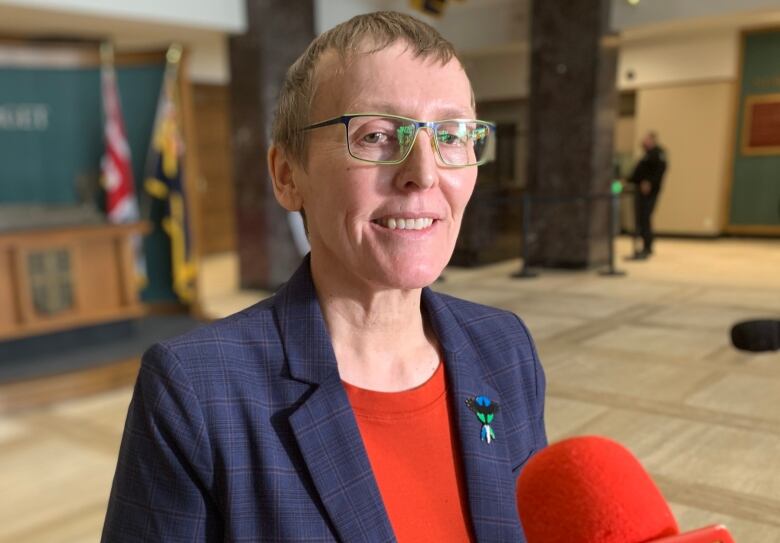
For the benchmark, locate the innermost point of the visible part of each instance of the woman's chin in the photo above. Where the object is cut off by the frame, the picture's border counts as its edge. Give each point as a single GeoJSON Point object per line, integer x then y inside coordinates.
{"type": "Point", "coordinates": [412, 278]}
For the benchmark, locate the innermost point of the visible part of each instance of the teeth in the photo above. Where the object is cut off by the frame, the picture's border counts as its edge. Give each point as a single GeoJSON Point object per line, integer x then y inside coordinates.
{"type": "Point", "coordinates": [394, 223]}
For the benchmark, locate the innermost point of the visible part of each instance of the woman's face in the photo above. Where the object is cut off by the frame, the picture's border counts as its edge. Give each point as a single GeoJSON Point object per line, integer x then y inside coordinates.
{"type": "Point", "coordinates": [349, 204]}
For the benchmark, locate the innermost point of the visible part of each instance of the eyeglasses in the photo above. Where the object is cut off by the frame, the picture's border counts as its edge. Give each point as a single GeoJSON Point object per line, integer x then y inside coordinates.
{"type": "Point", "coordinates": [388, 139]}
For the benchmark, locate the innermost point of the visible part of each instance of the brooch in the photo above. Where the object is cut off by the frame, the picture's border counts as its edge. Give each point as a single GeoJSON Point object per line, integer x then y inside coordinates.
{"type": "Point", "coordinates": [485, 410]}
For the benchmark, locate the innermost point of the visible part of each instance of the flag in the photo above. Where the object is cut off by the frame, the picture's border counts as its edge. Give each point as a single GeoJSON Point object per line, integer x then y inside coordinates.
{"type": "Point", "coordinates": [165, 179]}
{"type": "Point", "coordinates": [116, 170]}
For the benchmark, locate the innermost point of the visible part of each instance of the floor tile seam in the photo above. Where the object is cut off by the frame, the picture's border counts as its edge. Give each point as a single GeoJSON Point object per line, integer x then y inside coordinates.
{"type": "Point", "coordinates": [600, 324]}
{"type": "Point", "coordinates": [674, 410]}
{"type": "Point", "coordinates": [690, 292]}
{"type": "Point", "coordinates": [670, 298]}
{"type": "Point", "coordinates": [595, 297]}
{"type": "Point", "coordinates": [741, 306]}
{"type": "Point", "coordinates": [706, 285]}
{"type": "Point", "coordinates": [88, 435]}
{"type": "Point", "coordinates": [581, 333]}
{"type": "Point", "coordinates": [720, 500]}
{"type": "Point", "coordinates": [39, 394]}
{"type": "Point", "coordinates": [680, 362]}
{"type": "Point", "coordinates": [21, 402]}
{"type": "Point", "coordinates": [724, 330]}
{"type": "Point", "coordinates": [713, 288]}
{"type": "Point", "coordinates": [593, 327]}
{"type": "Point", "coordinates": [702, 384]}
{"type": "Point", "coordinates": [578, 430]}
{"type": "Point", "coordinates": [467, 292]}
{"type": "Point", "coordinates": [42, 531]}
{"type": "Point", "coordinates": [652, 280]}
{"type": "Point", "coordinates": [485, 289]}
{"type": "Point", "coordinates": [729, 354]}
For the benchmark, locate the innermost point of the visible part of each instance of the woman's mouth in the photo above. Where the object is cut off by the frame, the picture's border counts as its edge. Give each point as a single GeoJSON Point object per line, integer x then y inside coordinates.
{"type": "Point", "coordinates": [405, 223]}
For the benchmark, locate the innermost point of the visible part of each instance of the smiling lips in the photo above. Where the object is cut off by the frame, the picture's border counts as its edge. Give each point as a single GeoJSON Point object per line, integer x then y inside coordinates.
{"type": "Point", "coordinates": [398, 223]}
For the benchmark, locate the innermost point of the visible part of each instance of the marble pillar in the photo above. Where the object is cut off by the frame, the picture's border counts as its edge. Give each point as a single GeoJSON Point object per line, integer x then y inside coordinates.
{"type": "Point", "coordinates": [572, 108]}
{"type": "Point", "coordinates": [278, 32]}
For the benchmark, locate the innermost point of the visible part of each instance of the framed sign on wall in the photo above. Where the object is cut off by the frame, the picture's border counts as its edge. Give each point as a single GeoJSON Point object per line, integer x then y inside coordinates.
{"type": "Point", "coordinates": [761, 125]}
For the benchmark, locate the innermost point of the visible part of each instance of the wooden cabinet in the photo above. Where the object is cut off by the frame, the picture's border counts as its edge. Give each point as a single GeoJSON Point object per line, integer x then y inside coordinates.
{"type": "Point", "coordinates": [59, 278]}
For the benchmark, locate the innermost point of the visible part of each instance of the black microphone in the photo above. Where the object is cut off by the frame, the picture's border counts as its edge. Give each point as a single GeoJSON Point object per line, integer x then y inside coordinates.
{"type": "Point", "coordinates": [756, 336]}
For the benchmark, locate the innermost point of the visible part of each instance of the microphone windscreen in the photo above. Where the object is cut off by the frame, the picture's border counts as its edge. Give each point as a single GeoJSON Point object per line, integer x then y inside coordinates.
{"type": "Point", "coordinates": [756, 335]}
{"type": "Point", "coordinates": [590, 489]}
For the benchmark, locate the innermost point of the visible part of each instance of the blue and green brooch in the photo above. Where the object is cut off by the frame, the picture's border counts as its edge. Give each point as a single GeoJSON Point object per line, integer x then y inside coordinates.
{"type": "Point", "coordinates": [485, 410]}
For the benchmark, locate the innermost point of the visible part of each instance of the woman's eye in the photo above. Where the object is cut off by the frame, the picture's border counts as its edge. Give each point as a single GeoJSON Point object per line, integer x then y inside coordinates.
{"type": "Point", "coordinates": [375, 137]}
{"type": "Point", "coordinates": [449, 139]}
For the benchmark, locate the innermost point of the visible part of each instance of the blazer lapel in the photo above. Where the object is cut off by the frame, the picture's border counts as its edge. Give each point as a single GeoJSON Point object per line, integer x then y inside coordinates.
{"type": "Point", "coordinates": [323, 424]}
{"type": "Point", "coordinates": [487, 467]}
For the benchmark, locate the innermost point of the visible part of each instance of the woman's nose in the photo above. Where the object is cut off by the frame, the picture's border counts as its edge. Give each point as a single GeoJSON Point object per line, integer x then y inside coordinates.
{"type": "Point", "coordinates": [420, 169]}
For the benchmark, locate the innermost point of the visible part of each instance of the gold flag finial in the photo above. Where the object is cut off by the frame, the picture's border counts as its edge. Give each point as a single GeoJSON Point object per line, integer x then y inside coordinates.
{"type": "Point", "coordinates": [174, 53]}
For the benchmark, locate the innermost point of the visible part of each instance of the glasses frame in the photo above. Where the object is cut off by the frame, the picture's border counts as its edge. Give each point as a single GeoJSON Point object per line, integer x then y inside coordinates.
{"type": "Point", "coordinates": [418, 125]}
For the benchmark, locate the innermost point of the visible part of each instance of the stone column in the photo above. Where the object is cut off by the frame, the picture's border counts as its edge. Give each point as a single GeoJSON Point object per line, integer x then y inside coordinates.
{"type": "Point", "coordinates": [572, 113]}
{"type": "Point", "coordinates": [278, 32]}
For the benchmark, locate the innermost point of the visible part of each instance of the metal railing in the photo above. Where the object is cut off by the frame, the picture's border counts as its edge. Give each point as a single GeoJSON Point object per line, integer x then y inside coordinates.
{"type": "Point", "coordinates": [529, 200]}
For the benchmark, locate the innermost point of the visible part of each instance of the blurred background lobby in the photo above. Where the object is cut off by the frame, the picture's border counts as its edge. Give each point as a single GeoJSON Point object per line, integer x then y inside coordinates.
{"type": "Point", "coordinates": [94, 93]}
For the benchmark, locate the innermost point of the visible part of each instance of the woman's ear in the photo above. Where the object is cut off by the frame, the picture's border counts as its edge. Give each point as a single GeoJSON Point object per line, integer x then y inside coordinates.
{"type": "Point", "coordinates": [286, 190]}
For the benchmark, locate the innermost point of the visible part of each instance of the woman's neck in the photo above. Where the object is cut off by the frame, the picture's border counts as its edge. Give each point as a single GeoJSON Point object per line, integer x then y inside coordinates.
{"type": "Point", "coordinates": [380, 337]}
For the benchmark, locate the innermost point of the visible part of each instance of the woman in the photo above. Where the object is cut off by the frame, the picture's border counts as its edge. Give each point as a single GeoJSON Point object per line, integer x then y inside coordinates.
{"type": "Point", "coordinates": [355, 404]}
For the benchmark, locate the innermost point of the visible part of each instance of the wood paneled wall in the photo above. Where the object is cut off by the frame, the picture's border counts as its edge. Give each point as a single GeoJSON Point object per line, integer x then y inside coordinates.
{"type": "Point", "coordinates": [215, 187]}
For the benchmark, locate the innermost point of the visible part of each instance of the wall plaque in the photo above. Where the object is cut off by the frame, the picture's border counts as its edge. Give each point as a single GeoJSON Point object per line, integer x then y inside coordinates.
{"type": "Point", "coordinates": [50, 281]}
{"type": "Point", "coordinates": [761, 125]}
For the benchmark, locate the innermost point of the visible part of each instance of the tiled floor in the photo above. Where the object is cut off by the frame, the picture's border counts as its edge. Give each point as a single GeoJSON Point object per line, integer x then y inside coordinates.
{"type": "Point", "coordinates": [644, 359]}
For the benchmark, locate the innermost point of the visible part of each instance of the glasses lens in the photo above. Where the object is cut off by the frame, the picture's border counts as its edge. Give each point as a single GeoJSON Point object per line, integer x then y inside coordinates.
{"type": "Point", "coordinates": [465, 143]}
{"type": "Point", "coordinates": [379, 139]}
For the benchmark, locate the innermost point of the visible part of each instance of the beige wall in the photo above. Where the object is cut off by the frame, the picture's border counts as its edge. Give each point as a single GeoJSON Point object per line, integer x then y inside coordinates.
{"type": "Point", "coordinates": [696, 57]}
{"type": "Point", "coordinates": [624, 138]}
{"type": "Point", "coordinates": [694, 123]}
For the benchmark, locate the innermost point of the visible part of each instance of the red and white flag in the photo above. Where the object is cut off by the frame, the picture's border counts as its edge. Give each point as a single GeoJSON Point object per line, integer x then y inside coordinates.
{"type": "Point", "coordinates": [116, 164]}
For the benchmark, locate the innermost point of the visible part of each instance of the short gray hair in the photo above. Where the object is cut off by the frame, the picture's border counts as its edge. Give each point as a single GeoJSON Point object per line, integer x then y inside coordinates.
{"type": "Point", "coordinates": [366, 33]}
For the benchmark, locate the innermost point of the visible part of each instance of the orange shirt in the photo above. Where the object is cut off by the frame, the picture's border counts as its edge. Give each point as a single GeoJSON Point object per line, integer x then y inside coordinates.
{"type": "Point", "coordinates": [413, 451]}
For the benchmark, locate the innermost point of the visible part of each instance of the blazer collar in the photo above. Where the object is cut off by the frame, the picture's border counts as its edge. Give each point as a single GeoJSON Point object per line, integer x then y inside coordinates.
{"type": "Point", "coordinates": [306, 341]}
{"type": "Point", "coordinates": [487, 467]}
{"type": "Point", "coordinates": [329, 438]}
{"type": "Point", "coordinates": [323, 423]}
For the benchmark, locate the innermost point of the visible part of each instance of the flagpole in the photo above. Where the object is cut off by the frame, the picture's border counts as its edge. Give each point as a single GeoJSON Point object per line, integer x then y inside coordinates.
{"type": "Point", "coordinates": [106, 53]}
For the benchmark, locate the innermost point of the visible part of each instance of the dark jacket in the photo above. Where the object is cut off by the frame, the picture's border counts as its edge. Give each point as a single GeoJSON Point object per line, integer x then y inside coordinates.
{"type": "Point", "coordinates": [651, 168]}
{"type": "Point", "coordinates": [242, 430]}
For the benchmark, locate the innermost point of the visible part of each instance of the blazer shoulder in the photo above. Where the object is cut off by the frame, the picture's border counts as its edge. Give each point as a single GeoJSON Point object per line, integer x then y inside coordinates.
{"type": "Point", "coordinates": [468, 312]}
{"type": "Point", "coordinates": [489, 326]}
{"type": "Point", "coordinates": [243, 325]}
{"type": "Point", "coordinates": [230, 347]}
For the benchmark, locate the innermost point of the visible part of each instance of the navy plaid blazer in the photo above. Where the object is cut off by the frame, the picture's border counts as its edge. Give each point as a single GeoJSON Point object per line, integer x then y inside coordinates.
{"type": "Point", "coordinates": [242, 431]}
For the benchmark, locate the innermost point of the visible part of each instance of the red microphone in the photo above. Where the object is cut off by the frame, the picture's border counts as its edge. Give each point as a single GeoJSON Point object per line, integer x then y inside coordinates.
{"type": "Point", "coordinates": [592, 489]}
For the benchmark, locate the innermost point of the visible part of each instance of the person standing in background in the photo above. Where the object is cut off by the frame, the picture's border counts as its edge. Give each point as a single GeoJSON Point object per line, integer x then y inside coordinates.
{"type": "Point", "coordinates": [647, 176]}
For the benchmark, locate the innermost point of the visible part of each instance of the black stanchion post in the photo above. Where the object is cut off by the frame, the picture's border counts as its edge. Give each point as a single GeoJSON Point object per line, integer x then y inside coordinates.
{"type": "Point", "coordinates": [614, 210]}
{"type": "Point", "coordinates": [525, 272]}
{"type": "Point", "coordinates": [635, 241]}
